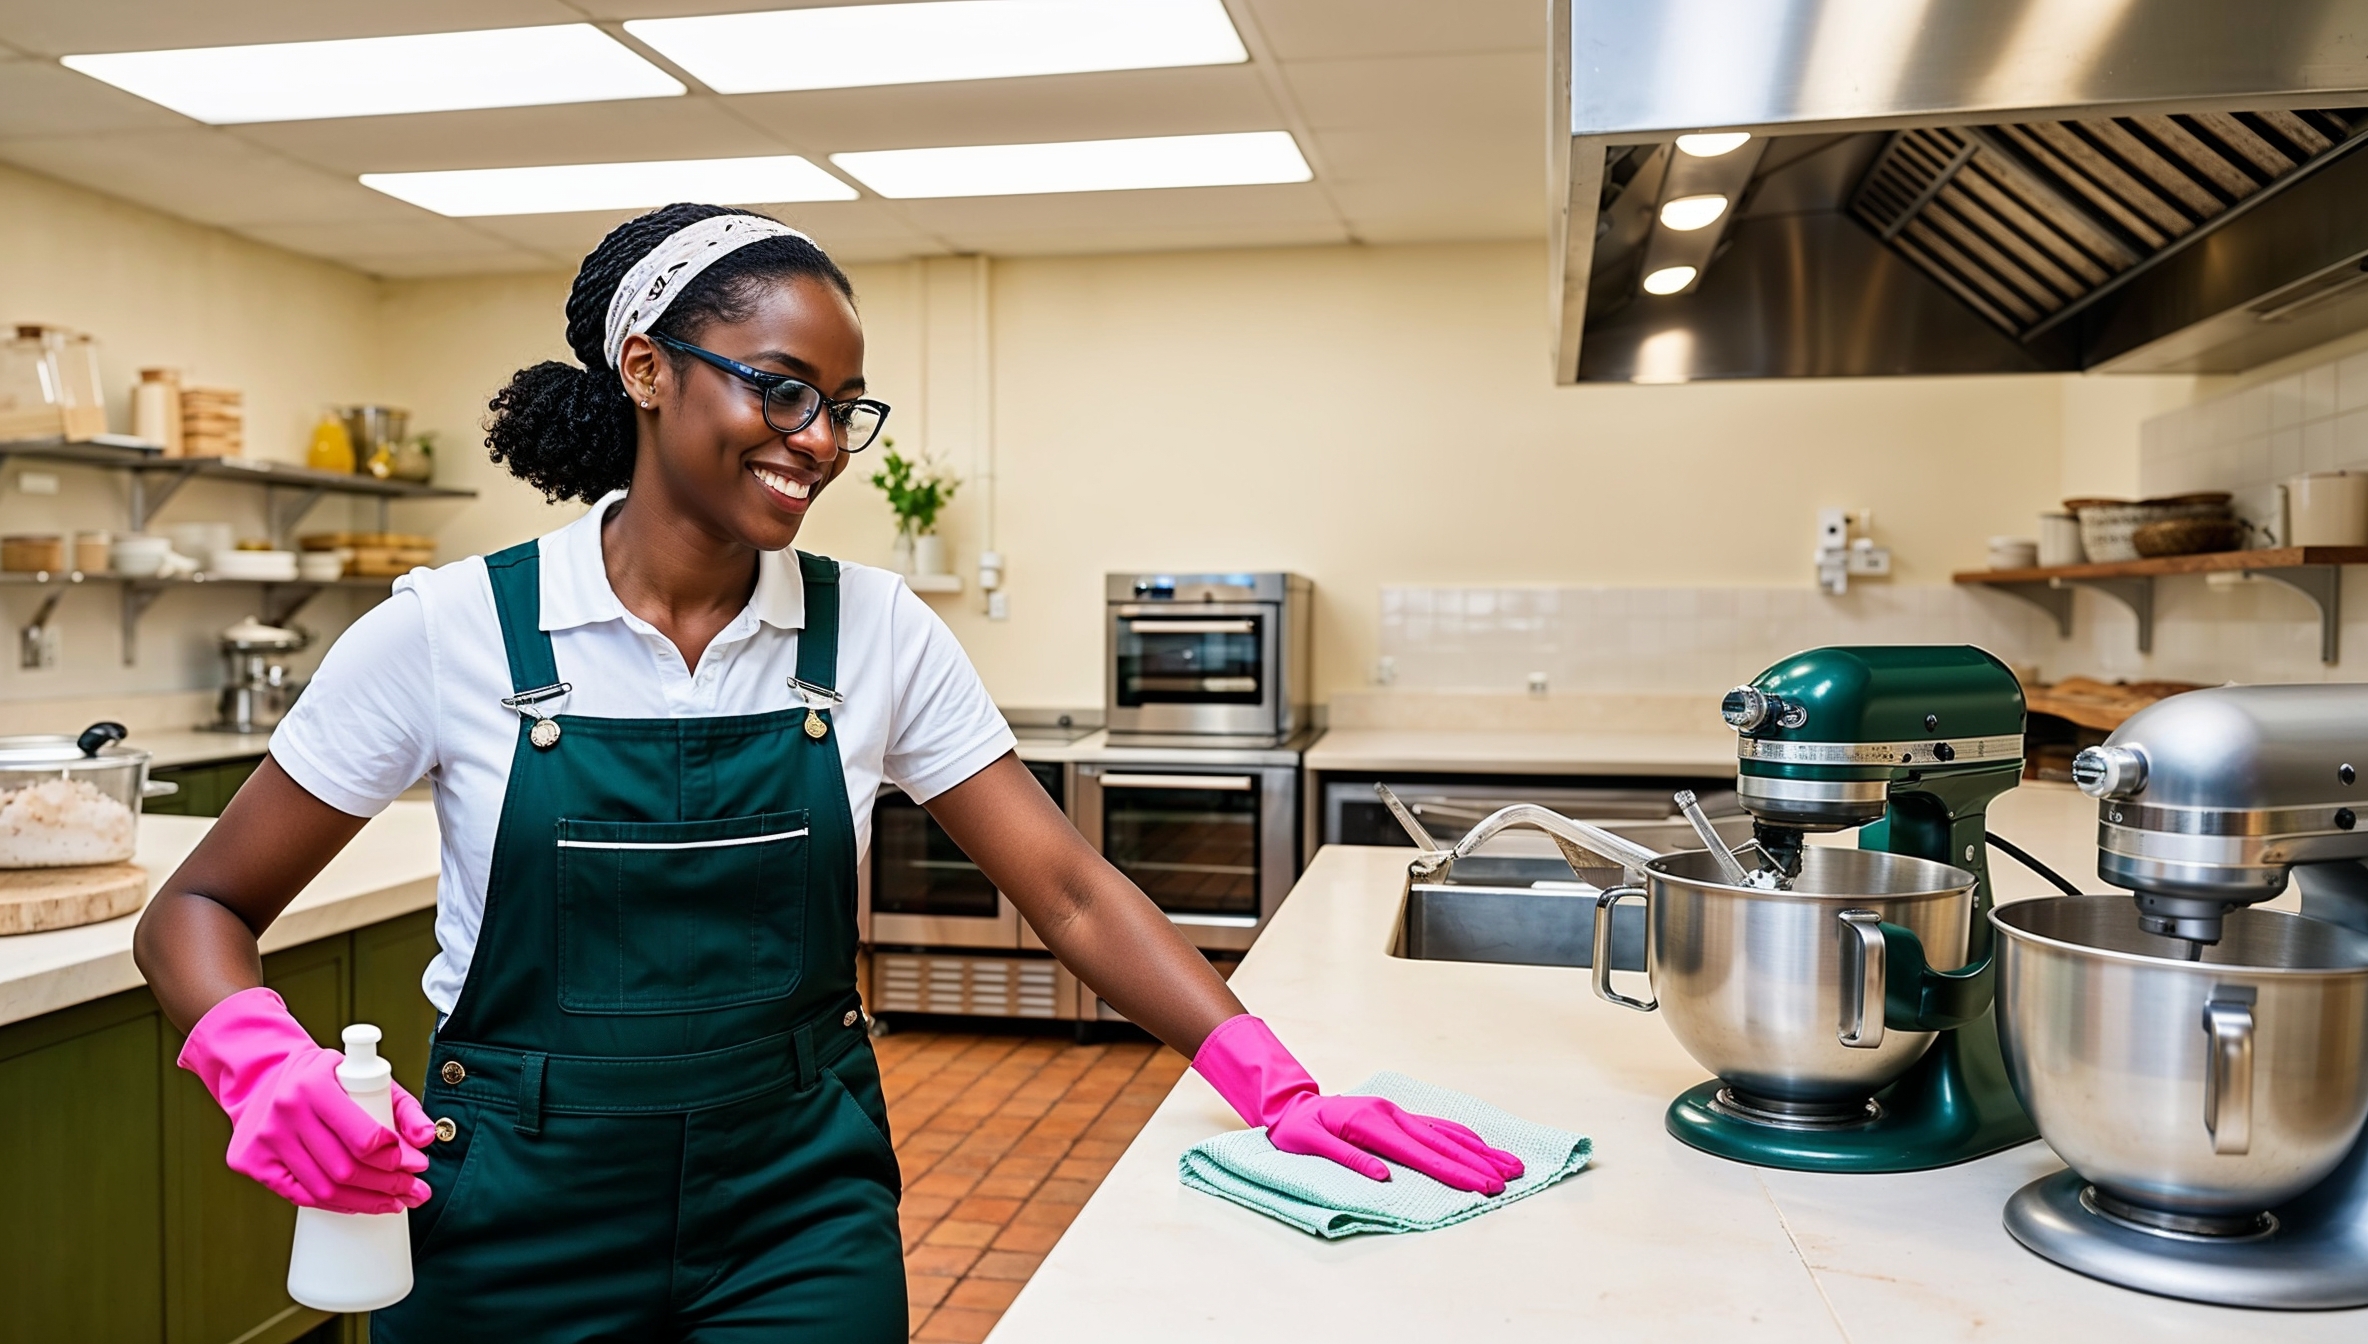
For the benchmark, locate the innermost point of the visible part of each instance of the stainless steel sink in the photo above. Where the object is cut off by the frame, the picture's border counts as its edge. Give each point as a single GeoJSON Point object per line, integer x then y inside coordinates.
{"type": "Point", "coordinates": [1516, 910]}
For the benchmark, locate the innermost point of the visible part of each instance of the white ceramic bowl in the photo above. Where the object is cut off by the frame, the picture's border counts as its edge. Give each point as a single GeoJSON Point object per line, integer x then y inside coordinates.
{"type": "Point", "coordinates": [320, 566]}
{"type": "Point", "coordinates": [266, 566]}
{"type": "Point", "coordinates": [138, 556]}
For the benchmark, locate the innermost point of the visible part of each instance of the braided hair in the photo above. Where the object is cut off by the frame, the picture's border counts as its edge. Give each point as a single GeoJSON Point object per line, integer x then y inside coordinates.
{"type": "Point", "coordinates": [570, 432]}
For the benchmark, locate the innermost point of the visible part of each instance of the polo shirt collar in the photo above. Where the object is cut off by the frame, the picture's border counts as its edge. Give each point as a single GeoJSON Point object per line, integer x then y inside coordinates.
{"type": "Point", "coordinates": [576, 591]}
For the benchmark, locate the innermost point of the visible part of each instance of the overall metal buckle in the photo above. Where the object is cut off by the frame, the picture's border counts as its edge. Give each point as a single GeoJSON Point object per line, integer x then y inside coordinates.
{"type": "Point", "coordinates": [815, 699]}
{"type": "Point", "coordinates": [545, 733]}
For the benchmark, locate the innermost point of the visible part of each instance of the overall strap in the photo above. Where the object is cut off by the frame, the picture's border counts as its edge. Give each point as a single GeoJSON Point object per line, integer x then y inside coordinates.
{"type": "Point", "coordinates": [818, 643]}
{"type": "Point", "coordinates": [517, 575]}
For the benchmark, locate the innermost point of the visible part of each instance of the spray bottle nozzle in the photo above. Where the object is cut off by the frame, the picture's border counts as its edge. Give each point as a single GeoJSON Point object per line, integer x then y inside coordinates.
{"type": "Point", "coordinates": [361, 1042]}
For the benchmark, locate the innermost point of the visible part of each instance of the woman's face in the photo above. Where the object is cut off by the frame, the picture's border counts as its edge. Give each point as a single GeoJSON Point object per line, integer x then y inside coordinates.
{"type": "Point", "coordinates": [716, 461]}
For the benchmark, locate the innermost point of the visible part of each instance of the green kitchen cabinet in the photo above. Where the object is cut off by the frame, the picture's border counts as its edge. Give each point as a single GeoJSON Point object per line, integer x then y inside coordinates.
{"type": "Point", "coordinates": [84, 1231]}
{"type": "Point", "coordinates": [205, 789]}
{"type": "Point", "coordinates": [123, 1222]}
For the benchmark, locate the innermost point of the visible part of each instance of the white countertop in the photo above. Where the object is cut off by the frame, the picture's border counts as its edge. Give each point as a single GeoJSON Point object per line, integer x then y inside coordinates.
{"type": "Point", "coordinates": [388, 870]}
{"type": "Point", "coordinates": [1524, 753]}
{"type": "Point", "coordinates": [1654, 1242]}
{"type": "Point", "coordinates": [191, 746]}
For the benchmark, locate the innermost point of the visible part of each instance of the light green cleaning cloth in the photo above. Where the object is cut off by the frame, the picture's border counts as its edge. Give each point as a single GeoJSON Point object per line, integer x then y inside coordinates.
{"type": "Point", "coordinates": [1318, 1195]}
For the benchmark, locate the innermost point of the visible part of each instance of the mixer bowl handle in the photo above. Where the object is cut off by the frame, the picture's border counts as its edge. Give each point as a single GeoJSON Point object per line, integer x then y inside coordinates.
{"type": "Point", "coordinates": [2228, 1075]}
{"type": "Point", "coordinates": [1603, 950]}
{"type": "Point", "coordinates": [1865, 979]}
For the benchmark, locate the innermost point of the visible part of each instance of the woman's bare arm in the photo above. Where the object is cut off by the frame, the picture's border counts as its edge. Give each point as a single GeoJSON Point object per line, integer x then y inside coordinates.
{"type": "Point", "coordinates": [1099, 924]}
{"type": "Point", "coordinates": [197, 941]}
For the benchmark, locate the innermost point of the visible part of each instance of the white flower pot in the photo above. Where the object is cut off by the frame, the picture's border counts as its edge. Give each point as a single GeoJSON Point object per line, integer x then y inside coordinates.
{"type": "Point", "coordinates": [929, 554]}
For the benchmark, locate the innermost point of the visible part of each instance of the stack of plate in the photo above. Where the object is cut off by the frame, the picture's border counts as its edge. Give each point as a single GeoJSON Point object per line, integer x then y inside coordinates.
{"type": "Point", "coordinates": [266, 566]}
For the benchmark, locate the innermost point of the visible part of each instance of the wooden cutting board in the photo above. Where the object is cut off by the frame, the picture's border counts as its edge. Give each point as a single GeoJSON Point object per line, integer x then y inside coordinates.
{"type": "Point", "coordinates": [33, 899]}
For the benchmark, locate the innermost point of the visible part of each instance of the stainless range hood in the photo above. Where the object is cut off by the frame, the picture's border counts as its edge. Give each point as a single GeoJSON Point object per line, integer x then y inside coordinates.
{"type": "Point", "coordinates": [1956, 186]}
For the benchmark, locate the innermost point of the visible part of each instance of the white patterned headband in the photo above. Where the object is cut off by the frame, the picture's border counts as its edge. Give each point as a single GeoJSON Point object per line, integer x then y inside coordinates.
{"type": "Point", "coordinates": [643, 294]}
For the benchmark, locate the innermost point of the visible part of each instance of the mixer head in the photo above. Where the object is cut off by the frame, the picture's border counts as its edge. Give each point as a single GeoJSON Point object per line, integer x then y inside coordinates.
{"type": "Point", "coordinates": [1829, 736]}
{"type": "Point", "coordinates": [2209, 800]}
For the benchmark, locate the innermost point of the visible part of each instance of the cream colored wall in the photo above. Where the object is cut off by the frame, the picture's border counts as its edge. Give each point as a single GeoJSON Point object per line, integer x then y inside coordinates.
{"type": "Point", "coordinates": [1365, 416]}
{"type": "Point", "coordinates": [292, 333]}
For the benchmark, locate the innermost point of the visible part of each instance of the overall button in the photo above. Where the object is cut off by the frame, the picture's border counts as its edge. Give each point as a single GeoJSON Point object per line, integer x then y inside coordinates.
{"type": "Point", "coordinates": [452, 1073]}
{"type": "Point", "coordinates": [849, 1019]}
{"type": "Point", "coordinates": [446, 1131]}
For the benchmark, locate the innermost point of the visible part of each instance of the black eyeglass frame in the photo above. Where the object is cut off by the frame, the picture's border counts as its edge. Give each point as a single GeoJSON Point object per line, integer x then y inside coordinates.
{"type": "Point", "coordinates": [765, 382]}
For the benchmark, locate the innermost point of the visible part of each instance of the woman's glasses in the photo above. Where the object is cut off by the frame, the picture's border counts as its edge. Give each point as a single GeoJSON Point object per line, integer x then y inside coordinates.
{"type": "Point", "coordinates": [790, 405]}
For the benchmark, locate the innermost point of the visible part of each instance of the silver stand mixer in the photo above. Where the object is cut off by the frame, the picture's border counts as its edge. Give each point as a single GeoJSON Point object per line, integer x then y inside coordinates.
{"type": "Point", "coordinates": [2202, 1065]}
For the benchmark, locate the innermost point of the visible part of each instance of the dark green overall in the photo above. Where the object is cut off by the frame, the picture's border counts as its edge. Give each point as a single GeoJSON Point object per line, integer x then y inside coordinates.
{"type": "Point", "coordinates": [664, 1117]}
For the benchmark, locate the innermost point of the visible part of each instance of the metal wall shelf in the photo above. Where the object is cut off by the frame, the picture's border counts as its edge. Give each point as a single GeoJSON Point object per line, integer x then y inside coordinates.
{"type": "Point", "coordinates": [2316, 572]}
{"type": "Point", "coordinates": [290, 491]}
{"type": "Point", "coordinates": [282, 598]}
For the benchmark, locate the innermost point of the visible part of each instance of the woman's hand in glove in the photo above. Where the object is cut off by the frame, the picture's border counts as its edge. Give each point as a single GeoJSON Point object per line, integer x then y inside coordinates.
{"type": "Point", "coordinates": [1266, 1086]}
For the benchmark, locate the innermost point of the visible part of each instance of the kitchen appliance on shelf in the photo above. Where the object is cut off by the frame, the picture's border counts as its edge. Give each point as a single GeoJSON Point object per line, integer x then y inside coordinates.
{"type": "Point", "coordinates": [2200, 1064]}
{"type": "Point", "coordinates": [256, 687]}
{"type": "Point", "coordinates": [1910, 743]}
{"type": "Point", "coordinates": [1209, 659]}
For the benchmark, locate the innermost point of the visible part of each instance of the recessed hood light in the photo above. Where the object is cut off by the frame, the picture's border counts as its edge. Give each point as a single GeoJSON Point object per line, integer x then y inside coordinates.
{"type": "Point", "coordinates": [1688, 213]}
{"type": "Point", "coordinates": [1669, 280]}
{"type": "Point", "coordinates": [612, 186]}
{"type": "Point", "coordinates": [1712, 144]}
{"type": "Point", "coordinates": [381, 76]}
{"type": "Point", "coordinates": [1241, 159]}
{"type": "Point", "coordinates": [849, 46]}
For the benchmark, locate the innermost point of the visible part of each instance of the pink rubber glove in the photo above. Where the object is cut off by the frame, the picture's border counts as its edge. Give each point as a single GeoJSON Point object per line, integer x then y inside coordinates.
{"type": "Point", "coordinates": [1265, 1086]}
{"type": "Point", "coordinates": [292, 1126]}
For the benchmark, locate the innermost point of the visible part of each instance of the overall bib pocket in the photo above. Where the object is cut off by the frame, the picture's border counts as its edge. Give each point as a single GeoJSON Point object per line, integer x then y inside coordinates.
{"type": "Point", "coordinates": [670, 916]}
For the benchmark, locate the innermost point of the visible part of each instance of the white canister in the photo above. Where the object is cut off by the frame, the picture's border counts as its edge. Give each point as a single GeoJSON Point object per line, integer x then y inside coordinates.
{"type": "Point", "coordinates": [929, 554]}
{"type": "Point", "coordinates": [2059, 540]}
{"type": "Point", "coordinates": [2327, 508]}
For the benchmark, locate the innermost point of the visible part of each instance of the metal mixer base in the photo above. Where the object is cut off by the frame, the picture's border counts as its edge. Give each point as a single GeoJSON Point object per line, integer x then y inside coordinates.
{"type": "Point", "coordinates": [2315, 1259]}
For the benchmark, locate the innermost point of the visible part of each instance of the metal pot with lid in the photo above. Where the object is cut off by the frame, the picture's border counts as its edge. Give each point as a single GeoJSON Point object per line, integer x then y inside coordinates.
{"type": "Point", "coordinates": [71, 801]}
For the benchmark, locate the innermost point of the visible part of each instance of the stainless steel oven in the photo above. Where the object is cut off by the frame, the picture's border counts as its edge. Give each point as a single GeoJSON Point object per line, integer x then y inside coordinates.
{"type": "Point", "coordinates": [1214, 845]}
{"type": "Point", "coordinates": [1222, 656]}
{"type": "Point", "coordinates": [917, 888]}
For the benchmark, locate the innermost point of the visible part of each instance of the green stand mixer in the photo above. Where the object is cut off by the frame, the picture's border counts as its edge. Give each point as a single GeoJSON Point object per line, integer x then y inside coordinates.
{"type": "Point", "coordinates": [1910, 742]}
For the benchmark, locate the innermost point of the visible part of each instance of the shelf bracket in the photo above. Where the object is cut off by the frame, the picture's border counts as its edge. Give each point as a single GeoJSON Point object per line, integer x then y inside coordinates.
{"type": "Point", "coordinates": [285, 515]}
{"type": "Point", "coordinates": [137, 598]}
{"type": "Point", "coordinates": [2049, 597]}
{"type": "Point", "coordinates": [2323, 585]}
{"type": "Point", "coordinates": [2135, 593]}
{"type": "Point", "coordinates": [146, 503]}
{"type": "Point", "coordinates": [281, 601]}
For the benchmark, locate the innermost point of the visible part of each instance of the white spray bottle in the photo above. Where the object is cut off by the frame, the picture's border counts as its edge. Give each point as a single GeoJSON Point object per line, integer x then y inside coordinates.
{"type": "Point", "coordinates": [347, 1262]}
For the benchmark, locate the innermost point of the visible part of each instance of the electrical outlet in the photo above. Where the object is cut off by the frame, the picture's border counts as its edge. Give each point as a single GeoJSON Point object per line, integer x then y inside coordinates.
{"type": "Point", "coordinates": [998, 606]}
{"type": "Point", "coordinates": [37, 482]}
{"type": "Point", "coordinates": [40, 647]}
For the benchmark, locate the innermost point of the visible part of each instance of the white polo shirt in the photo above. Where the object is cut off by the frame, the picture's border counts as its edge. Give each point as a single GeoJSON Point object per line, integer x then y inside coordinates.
{"type": "Point", "coordinates": [414, 689]}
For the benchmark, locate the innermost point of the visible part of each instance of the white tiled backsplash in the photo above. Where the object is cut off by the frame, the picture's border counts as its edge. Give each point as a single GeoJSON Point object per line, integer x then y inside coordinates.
{"type": "Point", "coordinates": [2248, 442]}
{"type": "Point", "coordinates": [1700, 641]}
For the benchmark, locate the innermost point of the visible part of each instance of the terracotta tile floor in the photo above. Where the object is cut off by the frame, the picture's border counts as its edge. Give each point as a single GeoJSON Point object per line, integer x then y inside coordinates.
{"type": "Point", "coordinates": [1002, 1138]}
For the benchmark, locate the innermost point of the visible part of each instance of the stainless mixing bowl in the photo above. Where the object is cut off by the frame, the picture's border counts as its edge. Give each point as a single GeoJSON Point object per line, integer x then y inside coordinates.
{"type": "Point", "coordinates": [1762, 987]}
{"type": "Point", "coordinates": [2201, 1089]}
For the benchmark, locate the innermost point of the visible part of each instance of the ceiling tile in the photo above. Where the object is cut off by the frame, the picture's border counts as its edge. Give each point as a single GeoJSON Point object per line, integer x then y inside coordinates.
{"type": "Point", "coordinates": [39, 98]}
{"type": "Point", "coordinates": [1316, 29]}
{"type": "Point", "coordinates": [427, 235]}
{"type": "Point", "coordinates": [511, 137]}
{"type": "Point", "coordinates": [422, 265]}
{"type": "Point", "coordinates": [64, 27]}
{"type": "Point", "coordinates": [834, 224]}
{"type": "Point", "coordinates": [1148, 238]}
{"type": "Point", "coordinates": [203, 175]}
{"type": "Point", "coordinates": [1019, 111]}
{"type": "Point", "coordinates": [1497, 96]}
{"type": "Point", "coordinates": [1087, 212]}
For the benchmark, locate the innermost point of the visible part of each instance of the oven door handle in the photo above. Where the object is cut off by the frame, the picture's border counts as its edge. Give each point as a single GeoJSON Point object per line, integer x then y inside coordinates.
{"type": "Point", "coordinates": [1225, 783]}
{"type": "Point", "coordinates": [1143, 625]}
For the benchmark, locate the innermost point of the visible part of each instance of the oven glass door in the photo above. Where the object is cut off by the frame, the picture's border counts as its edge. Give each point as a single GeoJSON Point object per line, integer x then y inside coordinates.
{"type": "Point", "coordinates": [1189, 841]}
{"type": "Point", "coordinates": [917, 869]}
{"type": "Point", "coordinates": [1189, 660]}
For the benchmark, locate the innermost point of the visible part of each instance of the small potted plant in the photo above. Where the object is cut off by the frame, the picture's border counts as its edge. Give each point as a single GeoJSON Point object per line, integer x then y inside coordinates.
{"type": "Point", "coordinates": [917, 489]}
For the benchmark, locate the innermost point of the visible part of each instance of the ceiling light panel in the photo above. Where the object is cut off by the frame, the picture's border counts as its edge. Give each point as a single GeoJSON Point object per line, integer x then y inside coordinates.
{"type": "Point", "coordinates": [1687, 213]}
{"type": "Point", "coordinates": [853, 46]}
{"type": "Point", "coordinates": [1711, 144]}
{"type": "Point", "coordinates": [381, 76]}
{"type": "Point", "coordinates": [1080, 165]}
{"type": "Point", "coordinates": [612, 186]}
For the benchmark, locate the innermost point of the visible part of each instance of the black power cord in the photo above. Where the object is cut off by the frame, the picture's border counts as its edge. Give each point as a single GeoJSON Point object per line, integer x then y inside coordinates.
{"type": "Point", "coordinates": [2016, 852]}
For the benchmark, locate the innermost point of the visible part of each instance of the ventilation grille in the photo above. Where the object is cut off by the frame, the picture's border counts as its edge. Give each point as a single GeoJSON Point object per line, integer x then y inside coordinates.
{"type": "Point", "coordinates": [2024, 221]}
{"type": "Point", "coordinates": [904, 982]}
